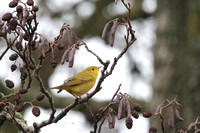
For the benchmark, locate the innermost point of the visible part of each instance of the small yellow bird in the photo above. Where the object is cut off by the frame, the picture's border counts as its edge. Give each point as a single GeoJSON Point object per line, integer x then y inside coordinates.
{"type": "Point", "coordinates": [80, 83]}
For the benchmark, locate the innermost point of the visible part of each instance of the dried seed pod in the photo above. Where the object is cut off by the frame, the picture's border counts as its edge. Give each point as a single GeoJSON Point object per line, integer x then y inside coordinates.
{"type": "Point", "coordinates": [128, 108]}
{"type": "Point", "coordinates": [118, 98]}
{"type": "Point", "coordinates": [9, 83]}
{"type": "Point", "coordinates": [111, 121]}
{"type": "Point", "coordinates": [40, 97]}
{"type": "Point", "coordinates": [23, 91]}
{"type": "Point", "coordinates": [30, 18]}
{"type": "Point", "coordinates": [1, 24]}
{"type": "Point", "coordinates": [25, 36]}
{"type": "Point", "coordinates": [64, 57]}
{"type": "Point", "coordinates": [13, 67]}
{"type": "Point", "coordinates": [71, 57]}
{"type": "Point", "coordinates": [20, 17]}
{"type": "Point", "coordinates": [19, 9]}
{"type": "Point", "coordinates": [69, 36]}
{"type": "Point", "coordinates": [158, 109]}
{"type": "Point", "coordinates": [178, 115]}
{"type": "Point", "coordinates": [2, 105]}
{"type": "Point", "coordinates": [31, 66]}
{"type": "Point", "coordinates": [23, 75]}
{"type": "Point", "coordinates": [36, 111]}
{"type": "Point", "coordinates": [105, 30]}
{"type": "Point", "coordinates": [13, 3]}
{"type": "Point", "coordinates": [33, 46]}
{"type": "Point", "coordinates": [53, 63]}
{"type": "Point", "coordinates": [120, 108]}
{"type": "Point", "coordinates": [13, 57]}
{"type": "Point", "coordinates": [35, 8]}
{"type": "Point", "coordinates": [129, 122]}
{"type": "Point", "coordinates": [112, 32]}
{"type": "Point", "coordinates": [152, 130]}
{"type": "Point", "coordinates": [19, 46]}
{"type": "Point", "coordinates": [147, 114]}
{"type": "Point", "coordinates": [137, 107]}
{"type": "Point", "coordinates": [19, 107]}
{"type": "Point", "coordinates": [3, 31]}
{"type": "Point", "coordinates": [16, 97]}
{"type": "Point", "coordinates": [12, 25]}
{"type": "Point", "coordinates": [171, 118]}
{"type": "Point", "coordinates": [30, 2]}
{"type": "Point", "coordinates": [42, 52]}
{"type": "Point", "coordinates": [135, 114]}
{"type": "Point", "coordinates": [60, 46]}
{"type": "Point", "coordinates": [23, 24]}
{"type": "Point", "coordinates": [7, 16]}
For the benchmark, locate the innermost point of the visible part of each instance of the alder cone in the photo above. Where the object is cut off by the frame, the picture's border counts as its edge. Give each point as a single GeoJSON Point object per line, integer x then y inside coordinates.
{"type": "Point", "coordinates": [7, 16]}
{"type": "Point", "coordinates": [36, 111]}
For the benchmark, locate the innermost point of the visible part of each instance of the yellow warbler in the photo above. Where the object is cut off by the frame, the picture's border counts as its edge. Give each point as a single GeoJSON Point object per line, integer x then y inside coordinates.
{"type": "Point", "coordinates": [80, 83]}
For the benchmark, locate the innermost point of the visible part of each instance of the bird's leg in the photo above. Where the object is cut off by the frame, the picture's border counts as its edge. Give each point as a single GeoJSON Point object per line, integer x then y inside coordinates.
{"type": "Point", "coordinates": [59, 91]}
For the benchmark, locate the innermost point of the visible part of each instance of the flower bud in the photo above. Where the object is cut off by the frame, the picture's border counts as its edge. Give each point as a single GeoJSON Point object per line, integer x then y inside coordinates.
{"type": "Point", "coordinates": [9, 83]}
{"type": "Point", "coordinates": [36, 111]}
{"type": "Point", "coordinates": [19, 46]}
{"type": "Point", "coordinates": [129, 123]}
{"type": "Point", "coordinates": [7, 16]}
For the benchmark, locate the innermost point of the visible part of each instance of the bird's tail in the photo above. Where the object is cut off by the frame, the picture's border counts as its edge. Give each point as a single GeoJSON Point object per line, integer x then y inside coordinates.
{"type": "Point", "coordinates": [59, 87]}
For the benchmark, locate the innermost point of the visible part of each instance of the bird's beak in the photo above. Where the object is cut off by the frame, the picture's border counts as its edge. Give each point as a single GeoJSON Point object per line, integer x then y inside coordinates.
{"type": "Point", "coordinates": [99, 67]}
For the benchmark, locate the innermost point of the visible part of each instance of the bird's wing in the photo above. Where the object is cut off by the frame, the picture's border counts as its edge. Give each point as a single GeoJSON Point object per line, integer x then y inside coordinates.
{"type": "Point", "coordinates": [77, 81]}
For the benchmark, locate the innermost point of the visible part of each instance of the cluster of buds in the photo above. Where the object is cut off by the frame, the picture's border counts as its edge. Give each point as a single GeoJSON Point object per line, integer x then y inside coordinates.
{"type": "Point", "coordinates": [172, 114]}
{"type": "Point", "coordinates": [23, 15]}
{"type": "Point", "coordinates": [73, 44]}
{"type": "Point", "coordinates": [112, 31]}
{"type": "Point", "coordinates": [18, 105]}
{"type": "Point", "coordinates": [111, 118]}
{"type": "Point", "coordinates": [125, 110]}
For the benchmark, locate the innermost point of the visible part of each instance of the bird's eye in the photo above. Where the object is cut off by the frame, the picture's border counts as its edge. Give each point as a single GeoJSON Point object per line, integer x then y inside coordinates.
{"type": "Point", "coordinates": [92, 69]}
